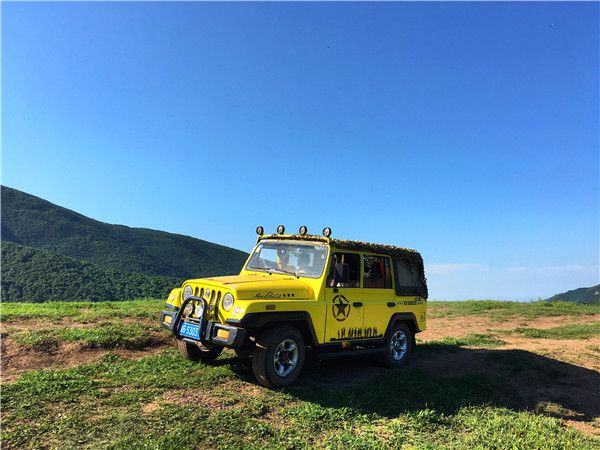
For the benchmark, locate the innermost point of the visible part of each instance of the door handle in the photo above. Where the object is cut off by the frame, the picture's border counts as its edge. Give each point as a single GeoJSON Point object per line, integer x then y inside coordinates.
{"type": "Point", "coordinates": [391, 304]}
{"type": "Point", "coordinates": [357, 304]}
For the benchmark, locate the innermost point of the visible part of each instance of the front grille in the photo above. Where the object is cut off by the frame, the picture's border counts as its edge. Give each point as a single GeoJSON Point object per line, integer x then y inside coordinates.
{"type": "Point", "coordinates": [212, 307]}
{"type": "Point", "coordinates": [212, 302]}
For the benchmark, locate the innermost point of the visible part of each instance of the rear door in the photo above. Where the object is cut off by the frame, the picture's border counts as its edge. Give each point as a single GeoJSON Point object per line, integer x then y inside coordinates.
{"type": "Point", "coordinates": [379, 295]}
{"type": "Point", "coordinates": [344, 317]}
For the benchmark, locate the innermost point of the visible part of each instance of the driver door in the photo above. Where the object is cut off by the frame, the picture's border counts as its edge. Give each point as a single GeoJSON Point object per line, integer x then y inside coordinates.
{"type": "Point", "coordinates": [345, 311]}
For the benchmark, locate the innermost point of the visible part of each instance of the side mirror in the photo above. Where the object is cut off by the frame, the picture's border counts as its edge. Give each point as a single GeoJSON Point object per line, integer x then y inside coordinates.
{"type": "Point", "coordinates": [341, 273]}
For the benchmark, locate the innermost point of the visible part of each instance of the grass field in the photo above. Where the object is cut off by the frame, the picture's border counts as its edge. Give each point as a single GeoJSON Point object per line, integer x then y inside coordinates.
{"type": "Point", "coordinates": [486, 375]}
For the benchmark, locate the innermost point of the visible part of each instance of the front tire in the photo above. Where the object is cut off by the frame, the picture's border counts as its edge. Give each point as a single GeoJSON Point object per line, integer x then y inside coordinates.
{"type": "Point", "coordinates": [278, 356]}
{"type": "Point", "coordinates": [244, 358]}
{"type": "Point", "coordinates": [199, 353]}
{"type": "Point", "coordinates": [398, 346]}
{"type": "Point", "coordinates": [243, 353]}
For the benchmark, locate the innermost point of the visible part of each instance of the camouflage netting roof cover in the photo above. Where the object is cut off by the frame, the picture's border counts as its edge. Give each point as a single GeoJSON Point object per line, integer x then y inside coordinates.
{"type": "Point", "coordinates": [397, 252]}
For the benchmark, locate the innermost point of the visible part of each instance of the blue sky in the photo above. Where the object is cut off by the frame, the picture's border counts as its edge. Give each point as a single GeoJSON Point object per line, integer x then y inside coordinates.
{"type": "Point", "coordinates": [467, 131]}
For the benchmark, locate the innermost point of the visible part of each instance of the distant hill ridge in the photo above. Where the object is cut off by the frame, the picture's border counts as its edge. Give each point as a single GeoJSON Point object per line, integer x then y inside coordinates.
{"type": "Point", "coordinates": [580, 295]}
{"type": "Point", "coordinates": [36, 223]}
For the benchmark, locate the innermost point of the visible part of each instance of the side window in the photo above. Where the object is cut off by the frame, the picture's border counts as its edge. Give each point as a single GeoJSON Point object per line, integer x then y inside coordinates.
{"type": "Point", "coordinates": [352, 260]}
{"type": "Point", "coordinates": [377, 272]}
{"type": "Point", "coordinates": [407, 278]}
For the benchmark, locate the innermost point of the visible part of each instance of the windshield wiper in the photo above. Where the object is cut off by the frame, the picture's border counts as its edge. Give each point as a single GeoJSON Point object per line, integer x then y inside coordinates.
{"type": "Point", "coordinates": [272, 269]}
{"type": "Point", "coordinates": [286, 271]}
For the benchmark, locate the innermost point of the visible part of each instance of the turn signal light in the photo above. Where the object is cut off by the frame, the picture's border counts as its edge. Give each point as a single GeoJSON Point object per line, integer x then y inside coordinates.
{"type": "Point", "coordinates": [223, 334]}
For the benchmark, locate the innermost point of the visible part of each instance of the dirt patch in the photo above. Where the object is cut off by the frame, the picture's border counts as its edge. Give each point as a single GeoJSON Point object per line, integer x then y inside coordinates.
{"type": "Point", "coordinates": [53, 353]}
{"type": "Point", "coordinates": [150, 407]}
{"type": "Point", "coordinates": [202, 397]}
{"type": "Point", "coordinates": [439, 328]}
{"type": "Point", "coordinates": [18, 359]}
{"type": "Point", "coordinates": [38, 324]}
{"type": "Point", "coordinates": [228, 395]}
{"type": "Point", "coordinates": [575, 351]}
{"type": "Point", "coordinates": [590, 428]}
{"type": "Point", "coordinates": [244, 389]}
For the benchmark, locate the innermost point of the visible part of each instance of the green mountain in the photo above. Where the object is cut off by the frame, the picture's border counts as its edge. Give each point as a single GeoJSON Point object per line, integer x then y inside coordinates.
{"type": "Point", "coordinates": [91, 246]}
{"type": "Point", "coordinates": [31, 221]}
{"type": "Point", "coordinates": [580, 295]}
{"type": "Point", "coordinates": [34, 275]}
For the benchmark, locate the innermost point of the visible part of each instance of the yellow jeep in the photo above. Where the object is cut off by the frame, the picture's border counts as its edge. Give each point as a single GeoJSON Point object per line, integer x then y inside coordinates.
{"type": "Point", "coordinates": [299, 293]}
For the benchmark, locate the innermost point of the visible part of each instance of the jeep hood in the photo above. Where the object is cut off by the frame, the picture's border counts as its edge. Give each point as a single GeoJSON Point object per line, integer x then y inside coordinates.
{"type": "Point", "coordinates": [259, 286]}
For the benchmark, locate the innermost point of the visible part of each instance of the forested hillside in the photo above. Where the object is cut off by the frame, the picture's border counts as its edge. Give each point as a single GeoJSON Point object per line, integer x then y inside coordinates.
{"type": "Point", "coordinates": [34, 222]}
{"type": "Point", "coordinates": [34, 275]}
{"type": "Point", "coordinates": [580, 295]}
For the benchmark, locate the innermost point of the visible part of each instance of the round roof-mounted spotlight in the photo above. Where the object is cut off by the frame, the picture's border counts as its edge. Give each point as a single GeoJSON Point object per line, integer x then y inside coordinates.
{"type": "Point", "coordinates": [303, 230]}
{"type": "Point", "coordinates": [280, 229]}
{"type": "Point", "coordinates": [260, 230]}
{"type": "Point", "coordinates": [326, 231]}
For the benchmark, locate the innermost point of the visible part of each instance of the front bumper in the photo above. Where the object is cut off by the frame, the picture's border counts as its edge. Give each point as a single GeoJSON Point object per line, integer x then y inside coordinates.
{"type": "Point", "coordinates": [211, 332]}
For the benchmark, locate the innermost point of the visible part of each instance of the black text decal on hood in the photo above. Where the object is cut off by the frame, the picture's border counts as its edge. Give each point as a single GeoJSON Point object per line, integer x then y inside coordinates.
{"type": "Point", "coordinates": [271, 294]}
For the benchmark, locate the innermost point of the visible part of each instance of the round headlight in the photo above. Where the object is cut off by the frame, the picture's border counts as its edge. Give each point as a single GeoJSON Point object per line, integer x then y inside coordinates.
{"type": "Point", "coordinates": [187, 292]}
{"type": "Point", "coordinates": [199, 310]}
{"type": "Point", "coordinates": [189, 309]}
{"type": "Point", "coordinates": [227, 302]}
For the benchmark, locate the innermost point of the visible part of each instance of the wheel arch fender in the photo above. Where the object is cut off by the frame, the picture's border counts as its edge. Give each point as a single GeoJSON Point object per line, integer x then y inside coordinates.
{"type": "Point", "coordinates": [406, 317]}
{"type": "Point", "coordinates": [255, 323]}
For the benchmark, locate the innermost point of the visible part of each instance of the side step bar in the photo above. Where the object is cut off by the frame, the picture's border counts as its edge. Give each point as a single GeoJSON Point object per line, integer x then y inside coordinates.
{"type": "Point", "coordinates": [344, 353]}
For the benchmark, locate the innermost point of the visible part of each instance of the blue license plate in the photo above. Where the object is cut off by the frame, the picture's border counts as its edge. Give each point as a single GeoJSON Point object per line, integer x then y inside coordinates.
{"type": "Point", "coordinates": [190, 330]}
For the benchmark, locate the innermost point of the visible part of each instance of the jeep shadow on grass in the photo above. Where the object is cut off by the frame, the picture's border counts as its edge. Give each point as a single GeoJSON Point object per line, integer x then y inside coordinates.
{"type": "Point", "coordinates": [444, 378]}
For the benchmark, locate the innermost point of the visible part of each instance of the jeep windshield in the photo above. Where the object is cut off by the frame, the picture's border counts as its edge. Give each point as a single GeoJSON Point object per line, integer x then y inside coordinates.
{"type": "Point", "coordinates": [302, 259]}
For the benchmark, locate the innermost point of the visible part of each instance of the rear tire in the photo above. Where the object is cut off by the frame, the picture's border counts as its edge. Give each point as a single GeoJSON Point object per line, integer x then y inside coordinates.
{"type": "Point", "coordinates": [398, 345]}
{"type": "Point", "coordinates": [278, 356]}
{"type": "Point", "coordinates": [199, 353]}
